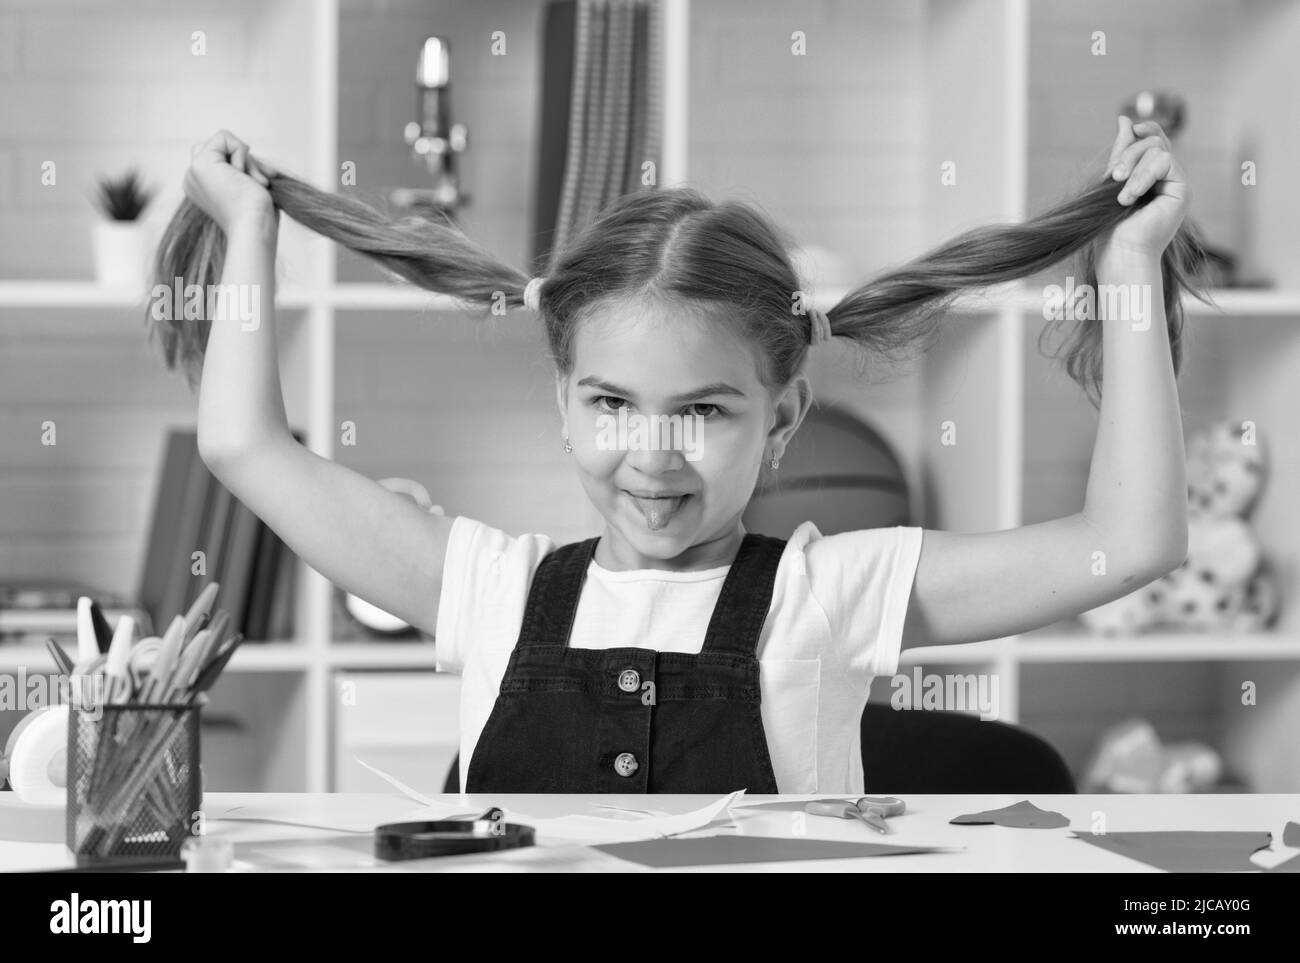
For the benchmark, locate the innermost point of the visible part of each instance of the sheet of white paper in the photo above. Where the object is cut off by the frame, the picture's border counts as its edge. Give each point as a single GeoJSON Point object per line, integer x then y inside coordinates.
{"type": "Point", "coordinates": [787, 801]}
{"type": "Point", "coordinates": [605, 829]}
{"type": "Point", "coordinates": [400, 786]}
{"type": "Point", "coordinates": [624, 813]}
{"type": "Point", "coordinates": [338, 814]}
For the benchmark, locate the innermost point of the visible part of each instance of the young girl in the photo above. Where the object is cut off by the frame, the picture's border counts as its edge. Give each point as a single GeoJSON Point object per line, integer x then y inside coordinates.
{"type": "Point", "coordinates": [677, 652]}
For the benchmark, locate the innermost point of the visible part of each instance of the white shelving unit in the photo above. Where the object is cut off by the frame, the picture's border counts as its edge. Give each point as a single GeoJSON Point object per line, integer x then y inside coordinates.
{"type": "Point", "coordinates": [1005, 83]}
{"type": "Point", "coordinates": [982, 369]}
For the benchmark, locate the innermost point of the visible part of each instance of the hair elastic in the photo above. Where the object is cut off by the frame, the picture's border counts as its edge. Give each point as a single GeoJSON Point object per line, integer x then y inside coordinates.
{"type": "Point", "coordinates": [533, 294]}
{"type": "Point", "coordinates": [821, 326]}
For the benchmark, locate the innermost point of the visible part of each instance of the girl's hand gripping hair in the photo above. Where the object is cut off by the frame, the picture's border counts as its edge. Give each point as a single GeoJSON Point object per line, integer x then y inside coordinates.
{"type": "Point", "coordinates": [227, 182]}
{"type": "Point", "coordinates": [1147, 165]}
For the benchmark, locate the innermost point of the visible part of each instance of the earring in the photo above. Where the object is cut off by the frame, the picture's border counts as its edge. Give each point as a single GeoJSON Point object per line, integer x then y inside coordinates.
{"type": "Point", "coordinates": [775, 463]}
{"type": "Point", "coordinates": [568, 448]}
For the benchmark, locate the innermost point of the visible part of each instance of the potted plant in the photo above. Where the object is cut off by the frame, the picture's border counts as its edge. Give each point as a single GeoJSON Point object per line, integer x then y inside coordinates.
{"type": "Point", "coordinates": [120, 243]}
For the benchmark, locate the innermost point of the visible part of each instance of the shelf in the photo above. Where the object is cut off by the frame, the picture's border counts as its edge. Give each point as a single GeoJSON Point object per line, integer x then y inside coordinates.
{"type": "Point", "coordinates": [270, 657]}
{"type": "Point", "coordinates": [381, 655]}
{"type": "Point", "coordinates": [1049, 647]}
{"type": "Point", "coordinates": [391, 297]}
{"type": "Point", "coordinates": [1156, 647]}
{"type": "Point", "coordinates": [969, 653]}
{"type": "Point", "coordinates": [67, 294]}
{"type": "Point", "coordinates": [89, 294]}
{"type": "Point", "coordinates": [267, 657]}
{"type": "Point", "coordinates": [251, 657]}
{"type": "Point", "coordinates": [1230, 302]}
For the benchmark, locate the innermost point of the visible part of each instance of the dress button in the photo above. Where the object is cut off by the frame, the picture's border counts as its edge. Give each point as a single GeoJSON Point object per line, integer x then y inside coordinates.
{"type": "Point", "coordinates": [629, 680]}
{"type": "Point", "coordinates": [625, 764]}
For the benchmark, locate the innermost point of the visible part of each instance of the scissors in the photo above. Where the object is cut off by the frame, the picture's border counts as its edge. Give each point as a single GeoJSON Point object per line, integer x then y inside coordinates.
{"type": "Point", "coordinates": [872, 810]}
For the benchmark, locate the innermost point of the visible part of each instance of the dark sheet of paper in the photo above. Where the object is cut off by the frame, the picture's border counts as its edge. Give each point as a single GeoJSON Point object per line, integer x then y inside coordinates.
{"type": "Point", "coordinates": [1291, 835]}
{"type": "Point", "coordinates": [1186, 852]}
{"type": "Point", "coordinates": [725, 850]}
{"type": "Point", "coordinates": [1023, 815]}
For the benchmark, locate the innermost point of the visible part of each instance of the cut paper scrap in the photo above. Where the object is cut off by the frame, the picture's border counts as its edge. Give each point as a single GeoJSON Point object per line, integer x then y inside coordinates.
{"type": "Point", "coordinates": [788, 805]}
{"type": "Point", "coordinates": [400, 786]}
{"type": "Point", "coordinates": [625, 813]}
{"type": "Point", "coordinates": [344, 812]}
{"type": "Point", "coordinates": [227, 818]}
{"type": "Point", "coordinates": [1023, 815]}
{"type": "Point", "coordinates": [1292, 865]}
{"type": "Point", "coordinates": [278, 816]}
{"type": "Point", "coordinates": [612, 829]}
{"type": "Point", "coordinates": [730, 850]}
{"type": "Point", "coordinates": [1185, 852]}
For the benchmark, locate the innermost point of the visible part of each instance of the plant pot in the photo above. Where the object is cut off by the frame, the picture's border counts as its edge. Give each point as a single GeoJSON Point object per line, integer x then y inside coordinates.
{"type": "Point", "coordinates": [121, 252]}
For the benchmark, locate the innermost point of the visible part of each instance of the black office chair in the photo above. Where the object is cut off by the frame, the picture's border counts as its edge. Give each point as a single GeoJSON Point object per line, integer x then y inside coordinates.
{"type": "Point", "coordinates": [941, 752]}
{"type": "Point", "coordinates": [929, 751]}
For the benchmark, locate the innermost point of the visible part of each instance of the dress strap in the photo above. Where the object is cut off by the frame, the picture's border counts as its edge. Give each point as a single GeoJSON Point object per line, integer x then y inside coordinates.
{"type": "Point", "coordinates": [553, 596]}
{"type": "Point", "coordinates": [746, 596]}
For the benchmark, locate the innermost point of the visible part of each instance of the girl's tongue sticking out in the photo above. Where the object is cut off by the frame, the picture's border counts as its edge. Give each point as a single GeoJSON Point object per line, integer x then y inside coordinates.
{"type": "Point", "coordinates": [658, 510]}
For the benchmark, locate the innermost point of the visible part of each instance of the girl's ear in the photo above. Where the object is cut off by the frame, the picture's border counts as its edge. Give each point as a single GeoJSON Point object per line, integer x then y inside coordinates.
{"type": "Point", "coordinates": [791, 408]}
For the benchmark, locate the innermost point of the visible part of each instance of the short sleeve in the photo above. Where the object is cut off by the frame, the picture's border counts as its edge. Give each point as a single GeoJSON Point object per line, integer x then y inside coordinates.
{"type": "Point", "coordinates": [486, 574]}
{"type": "Point", "coordinates": [863, 581]}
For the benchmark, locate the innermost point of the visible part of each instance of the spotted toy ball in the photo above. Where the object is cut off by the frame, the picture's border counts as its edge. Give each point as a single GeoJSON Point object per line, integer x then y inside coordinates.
{"type": "Point", "coordinates": [1197, 602]}
{"type": "Point", "coordinates": [1224, 550]}
{"type": "Point", "coordinates": [1258, 604]}
{"type": "Point", "coordinates": [1225, 474]}
{"type": "Point", "coordinates": [1157, 598]}
{"type": "Point", "coordinates": [1127, 615]}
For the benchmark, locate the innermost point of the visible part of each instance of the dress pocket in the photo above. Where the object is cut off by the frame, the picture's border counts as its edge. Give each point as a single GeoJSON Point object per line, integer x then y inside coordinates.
{"type": "Point", "coordinates": [791, 690]}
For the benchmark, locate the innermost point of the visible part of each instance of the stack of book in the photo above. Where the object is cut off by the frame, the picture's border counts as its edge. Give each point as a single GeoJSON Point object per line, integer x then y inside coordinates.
{"type": "Point", "coordinates": [199, 533]}
{"type": "Point", "coordinates": [193, 513]}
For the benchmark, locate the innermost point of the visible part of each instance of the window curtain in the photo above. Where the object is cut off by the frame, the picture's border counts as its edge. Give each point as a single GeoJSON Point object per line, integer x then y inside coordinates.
{"type": "Point", "coordinates": [600, 113]}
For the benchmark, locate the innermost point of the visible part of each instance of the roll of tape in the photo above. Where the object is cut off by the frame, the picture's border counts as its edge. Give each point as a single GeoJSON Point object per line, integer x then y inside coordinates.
{"type": "Point", "coordinates": [38, 763]}
{"type": "Point", "coordinates": [450, 837]}
{"type": "Point", "coordinates": [23, 723]}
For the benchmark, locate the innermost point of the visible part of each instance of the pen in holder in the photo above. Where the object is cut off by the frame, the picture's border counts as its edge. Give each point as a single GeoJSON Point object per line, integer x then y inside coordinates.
{"type": "Point", "coordinates": [134, 790]}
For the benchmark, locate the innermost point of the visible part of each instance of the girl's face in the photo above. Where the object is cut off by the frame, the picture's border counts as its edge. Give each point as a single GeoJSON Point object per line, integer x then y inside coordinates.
{"type": "Point", "coordinates": [670, 425]}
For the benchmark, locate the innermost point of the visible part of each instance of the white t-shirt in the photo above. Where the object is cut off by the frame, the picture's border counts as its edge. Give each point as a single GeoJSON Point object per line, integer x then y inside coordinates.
{"type": "Point", "coordinates": [835, 622]}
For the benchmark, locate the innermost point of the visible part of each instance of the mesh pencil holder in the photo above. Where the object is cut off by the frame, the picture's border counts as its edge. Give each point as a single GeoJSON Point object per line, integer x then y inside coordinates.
{"type": "Point", "coordinates": [134, 789]}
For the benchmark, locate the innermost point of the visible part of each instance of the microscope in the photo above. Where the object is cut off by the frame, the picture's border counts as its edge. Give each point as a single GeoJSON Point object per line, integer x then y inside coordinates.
{"type": "Point", "coordinates": [434, 139]}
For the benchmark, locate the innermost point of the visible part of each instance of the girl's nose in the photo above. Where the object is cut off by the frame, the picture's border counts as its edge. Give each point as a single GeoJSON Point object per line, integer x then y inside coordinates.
{"type": "Point", "coordinates": [656, 461]}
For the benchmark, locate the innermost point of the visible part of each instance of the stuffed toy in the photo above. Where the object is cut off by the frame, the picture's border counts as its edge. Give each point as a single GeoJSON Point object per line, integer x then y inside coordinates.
{"type": "Point", "coordinates": [1131, 758]}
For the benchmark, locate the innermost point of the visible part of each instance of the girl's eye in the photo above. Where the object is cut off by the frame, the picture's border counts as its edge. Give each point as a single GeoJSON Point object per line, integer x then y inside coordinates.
{"type": "Point", "coordinates": [709, 410]}
{"type": "Point", "coordinates": [612, 403]}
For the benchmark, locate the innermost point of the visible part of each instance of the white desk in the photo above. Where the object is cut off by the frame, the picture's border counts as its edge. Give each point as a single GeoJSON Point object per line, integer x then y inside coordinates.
{"type": "Point", "coordinates": [272, 846]}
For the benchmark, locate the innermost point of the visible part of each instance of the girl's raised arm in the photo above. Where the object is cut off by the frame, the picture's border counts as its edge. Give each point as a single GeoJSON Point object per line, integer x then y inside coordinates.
{"type": "Point", "coordinates": [1133, 526]}
{"type": "Point", "coordinates": [366, 539]}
